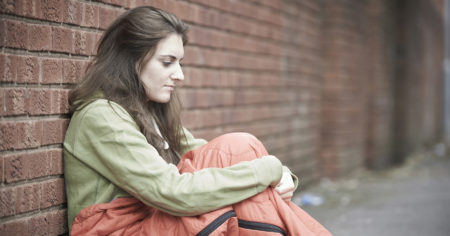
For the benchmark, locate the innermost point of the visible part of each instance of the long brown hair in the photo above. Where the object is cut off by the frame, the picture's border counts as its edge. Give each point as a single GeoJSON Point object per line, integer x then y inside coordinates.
{"type": "Point", "coordinates": [129, 41]}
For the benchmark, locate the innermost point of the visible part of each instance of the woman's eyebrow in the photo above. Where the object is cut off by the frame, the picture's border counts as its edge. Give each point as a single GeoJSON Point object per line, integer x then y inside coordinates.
{"type": "Point", "coordinates": [171, 57]}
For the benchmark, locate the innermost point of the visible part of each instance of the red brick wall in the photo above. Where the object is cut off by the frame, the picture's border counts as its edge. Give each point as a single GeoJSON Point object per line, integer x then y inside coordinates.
{"type": "Point", "coordinates": [344, 86]}
{"type": "Point", "coordinates": [419, 84]}
{"type": "Point", "coordinates": [45, 48]}
{"type": "Point", "coordinates": [316, 81]}
{"type": "Point", "coordinates": [301, 77]}
{"type": "Point", "coordinates": [380, 73]}
{"type": "Point", "coordinates": [359, 43]}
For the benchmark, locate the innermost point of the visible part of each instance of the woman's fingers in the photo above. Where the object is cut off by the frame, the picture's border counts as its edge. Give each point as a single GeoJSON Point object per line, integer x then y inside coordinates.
{"type": "Point", "coordinates": [287, 196]}
{"type": "Point", "coordinates": [286, 187]}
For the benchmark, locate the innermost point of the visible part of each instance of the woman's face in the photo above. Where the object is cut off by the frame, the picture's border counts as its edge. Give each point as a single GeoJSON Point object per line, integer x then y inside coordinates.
{"type": "Point", "coordinates": [162, 72]}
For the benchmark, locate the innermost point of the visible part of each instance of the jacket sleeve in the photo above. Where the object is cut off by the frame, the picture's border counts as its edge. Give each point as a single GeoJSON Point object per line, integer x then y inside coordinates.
{"type": "Point", "coordinates": [109, 141]}
{"type": "Point", "coordinates": [191, 143]}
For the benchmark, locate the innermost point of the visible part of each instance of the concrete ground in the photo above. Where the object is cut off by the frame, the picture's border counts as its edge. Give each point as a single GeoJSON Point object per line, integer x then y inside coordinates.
{"type": "Point", "coordinates": [412, 199]}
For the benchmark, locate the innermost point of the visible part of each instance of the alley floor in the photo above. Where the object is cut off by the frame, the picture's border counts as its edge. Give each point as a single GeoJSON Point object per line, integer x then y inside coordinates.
{"type": "Point", "coordinates": [412, 199]}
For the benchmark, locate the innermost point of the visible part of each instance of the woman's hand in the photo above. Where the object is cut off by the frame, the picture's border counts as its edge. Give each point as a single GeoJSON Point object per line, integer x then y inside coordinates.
{"type": "Point", "coordinates": [285, 188]}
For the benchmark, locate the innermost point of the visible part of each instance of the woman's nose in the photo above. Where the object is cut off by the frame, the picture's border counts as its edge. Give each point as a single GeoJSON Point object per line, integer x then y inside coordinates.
{"type": "Point", "coordinates": [178, 74]}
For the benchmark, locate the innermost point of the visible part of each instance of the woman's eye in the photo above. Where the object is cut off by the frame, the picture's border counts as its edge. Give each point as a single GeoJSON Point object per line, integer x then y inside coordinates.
{"type": "Point", "coordinates": [167, 63]}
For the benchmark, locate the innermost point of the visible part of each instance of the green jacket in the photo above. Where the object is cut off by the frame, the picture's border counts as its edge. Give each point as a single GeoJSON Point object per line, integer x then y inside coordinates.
{"type": "Point", "coordinates": [106, 157]}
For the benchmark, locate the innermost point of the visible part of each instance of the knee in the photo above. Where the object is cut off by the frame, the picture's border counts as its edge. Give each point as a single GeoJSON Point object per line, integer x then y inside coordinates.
{"type": "Point", "coordinates": [240, 137]}
{"type": "Point", "coordinates": [226, 150]}
{"type": "Point", "coordinates": [238, 142]}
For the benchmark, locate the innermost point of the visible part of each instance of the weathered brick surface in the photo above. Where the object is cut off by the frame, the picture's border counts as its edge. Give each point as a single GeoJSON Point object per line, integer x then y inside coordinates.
{"type": "Point", "coordinates": [16, 34]}
{"type": "Point", "coordinates": [73, 70]}
{"type": "Point", "coordinates": [33, 101]}
{"type": "Point", "coordinates": [52, 193]}
{"type": "Point", "coordinates": [318, 82]}
{"type": "Point", "coordinates": [27, 70]}
{"type": "Point", "coordinates": [62, 39]}
{"type": "Point", "coordinates": [28, 165]}
{"type": "Point", "coordinates": [2, 32]}
{"type": "Point", "coordinates": [28, 197]}
{"type": "Point", "coordinates": [49, 223]}
{"type": "Point", "coordinates": [8, 197]}
{"type": "Point", "coordinates": [40, 37]}
{"type": "Point", "coordinates": [9, 68]}
{"type": "Point", "coordinates": [51, 70]}
{"type": "Point", "coordinates": [17, 227]}
{"type": "Point", "coordinates": [2, 171]}
{"type": "Point", "coordinates": [53, 131]}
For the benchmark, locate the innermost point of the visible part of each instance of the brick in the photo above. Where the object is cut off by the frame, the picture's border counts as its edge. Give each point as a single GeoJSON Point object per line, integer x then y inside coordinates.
{"type": "Point", "coordinates": [208, 134]}
{"type": "Point", "coordinates": [31, 165]}
{"type": "Point", "coordinates": [40, 102]}
{"type": "Point", "coordinates": [49, 223]}
{"type": "Point", "coordinates": [62, 39]}
{"type": "Point", "coordinates": [28, 198]}
{"type": "Point", "coordinates": [39, 37]}
{"type": "Point", "coordinates": [73, 12]}
{"type": "Point", "coordinates": [2, 171]}
{"type": "Point", "coordinates": [2, 67]}
{"type": "Point", "coordinates": [8, 201]}
{"type": "Point", "coordinates": [2, 103]}
{"type": "Point", "coordinates": [108, 15]}
{"type": "Point", "coordinates": [73, 71]}
{"type": "Point", "coordinates": [192, 78]}
{"type": "Point", "coordinates": [209, 17]}
{"type": "Point", "coordinates": [9, 68]}
{"type": "Point", "coordinates": [15, 227]}
{"type": "Point", "coordinates": [59, 101]}
{"type": "Point", "coordinates": [94, 39]}
{"type": "Point", "coordinates": [28, 8]}
{"type": "Point", "coordinates": [52, 10]}
{"type": "Point", "coordinates": [38, 164]}
{"type": "Point", "coordinates": [29, 134]}
{"type": "Point", "coordinates": [16, 34]}
{"type": "Point", "coordinates": [162, 4]}
{"type": "Point", "coordinates": [15, 101]}
{"type": "Point", "coordinates": [28, 70]}
{"type": "Point", "coordinates": [2, 32]}
{"type": "Point", "coordinates": [8, 137]}
{"type": "Point", "coordinates": [54, 131]}
{"type": "Point", "coordinates": [188, 118]}
{"type": "Point", "coordinates": [193, 56]}
{"type": "Point", "coordinates": [84, 42]}
{"type": "Point", "coordinates": [58, 222]}
{"type": "Point", "coordinates": [51, 71]}
{"type": "Point", "coordinates": [183, 10]}
{"type": "Point", "coordinates": [187, 98]}
{"type": "Point", "coordinates": [16, 168]}
{"type": "Point", "coordinates": [8, 6]}
{"type": "Point", "coordinates": [121, 3]}
{"type": "Point", "coordinates": [52, 193]}
{"type": "Point", "coordinates": [39, 224]}
{"type": "Point", "coordinates": [90, 16]}
{"type": "Point", "coordinates": [55, 162]}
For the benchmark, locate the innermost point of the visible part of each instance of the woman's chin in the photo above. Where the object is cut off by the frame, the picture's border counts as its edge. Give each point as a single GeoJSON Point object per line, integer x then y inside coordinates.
{"type": "Point", "coordinates": [164, 99]}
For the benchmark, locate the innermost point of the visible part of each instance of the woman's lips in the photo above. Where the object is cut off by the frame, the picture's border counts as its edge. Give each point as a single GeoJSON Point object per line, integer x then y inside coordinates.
{"type": "Point", "coordinates": [170, 87]}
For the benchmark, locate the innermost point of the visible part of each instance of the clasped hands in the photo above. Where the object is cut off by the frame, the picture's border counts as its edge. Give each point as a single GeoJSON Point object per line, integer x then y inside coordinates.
{"type": "Point", "coordinates": [285, 188]}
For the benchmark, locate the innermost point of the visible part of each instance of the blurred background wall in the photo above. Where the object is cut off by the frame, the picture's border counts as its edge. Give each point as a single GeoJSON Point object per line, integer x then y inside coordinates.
{"type": "Point", "coordinates": [329, 86]}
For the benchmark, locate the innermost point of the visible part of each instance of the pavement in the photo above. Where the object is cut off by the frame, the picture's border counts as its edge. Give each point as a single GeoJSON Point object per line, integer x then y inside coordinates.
{"type": "Point", "coordinates": [411, 199]}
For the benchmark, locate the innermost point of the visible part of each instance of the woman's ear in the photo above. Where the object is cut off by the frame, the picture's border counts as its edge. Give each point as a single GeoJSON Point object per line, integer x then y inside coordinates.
{"type": "Point", "coordinates": [137, 67]}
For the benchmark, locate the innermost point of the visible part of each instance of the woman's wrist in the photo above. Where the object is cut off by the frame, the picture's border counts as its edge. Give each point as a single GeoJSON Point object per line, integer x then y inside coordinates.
{"type": "Point", "coordinates": [268, 170]}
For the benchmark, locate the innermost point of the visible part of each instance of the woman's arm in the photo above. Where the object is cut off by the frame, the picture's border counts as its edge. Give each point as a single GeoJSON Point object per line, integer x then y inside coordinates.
{"type": "Point", "coordinates": [191, 143]}
{"type": "Point", "coordinates": [109, 141]}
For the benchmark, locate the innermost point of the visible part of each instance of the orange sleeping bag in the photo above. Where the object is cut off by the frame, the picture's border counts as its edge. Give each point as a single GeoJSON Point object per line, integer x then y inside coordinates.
{"type": "Point", "coordinates": [263, 214]}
